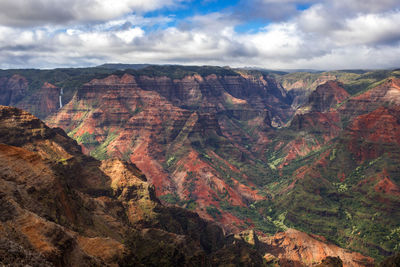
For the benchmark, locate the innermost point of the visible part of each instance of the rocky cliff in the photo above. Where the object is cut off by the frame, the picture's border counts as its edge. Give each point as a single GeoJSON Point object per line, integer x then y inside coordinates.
{"type": "Point", "coordinates": [295, 248]}
{"type": "Point", "coordinates": [12, 89]}
{"type": "Point", "coordinates": [170, 127]}
{"type": "Point", "coordinates": [325, 97]}
{"type": "Point", "coordinates": [62, 208]}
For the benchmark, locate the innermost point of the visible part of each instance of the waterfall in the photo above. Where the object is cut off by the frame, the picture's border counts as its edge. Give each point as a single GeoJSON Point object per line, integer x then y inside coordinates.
{"type": "Point", "coordinates": [60, 97]}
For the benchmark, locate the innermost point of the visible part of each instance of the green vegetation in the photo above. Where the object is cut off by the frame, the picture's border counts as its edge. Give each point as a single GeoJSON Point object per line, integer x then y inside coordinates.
{"type": "Point", "coordinates": [174, 199]}
{"type": "Point", "coordinates": [261, 72]}
{"type": "Point", "coordinates": [359, 84]}
{"type": "Point", "coordinates": [260, 215]}
{"type": "Point", "coordinates": [190, 204]}
{"type": "Point", "coordinates": [63, 161]}
{"type": "Point", "coordinates": [100, 152]}
{"type": "Point", "coordinates": [87, 139]}
{"type": "Point", "coordinates": [341, 187]}
{"type": "Point", "coordinates": [213, 212]}
{"type": "Point", "coordinates": [179, 72]}
{"type": "Point", "coordinates": [309, 79]}
{"type": "Point", "coordinates": [190, 183]}
{"type": "Point", "coordinates": [156, 249]}
{"type": "Point", "coordinates": [275, 162]}
{"type": "Point", "coordinates": [171, 199]}
{"type": "Point", "coordinates": [348, 213]}
{"type": "Point", "coordinates": [171, 161]}
{"type": "Point", "coordinates": [333, 154]}
{"type": "Point", "coordinates": [126, 155]}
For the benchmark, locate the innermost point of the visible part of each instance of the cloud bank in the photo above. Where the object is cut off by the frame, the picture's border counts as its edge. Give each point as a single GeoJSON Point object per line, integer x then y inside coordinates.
{"type": "Point", "coordinates": [278, 34]}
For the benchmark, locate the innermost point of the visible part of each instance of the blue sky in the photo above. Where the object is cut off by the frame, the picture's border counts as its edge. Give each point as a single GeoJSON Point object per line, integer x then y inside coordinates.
{"type": "Point", "coordinates": [192, 8]}
{"type": "Point", "coordinates": [274, 34]}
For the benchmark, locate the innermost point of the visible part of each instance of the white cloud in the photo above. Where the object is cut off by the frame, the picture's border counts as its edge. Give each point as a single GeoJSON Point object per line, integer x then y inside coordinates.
{"type": "Point", "coordinates": [369, 29]}
{"type": "Point", "coordinates": [327, 36]}
{"type": "Point", "coordinates": [28, 13]}
{"type": "Point", "coordinates": [362, 6]}
{"type": "Point", "coordinates": [351, 5]}
{"type": "Point", "coordinates": [276, 41]}
{"type": "Point", "coordinates": [129, 35]}
{"type": "Point", "coordinates": [317, 20]}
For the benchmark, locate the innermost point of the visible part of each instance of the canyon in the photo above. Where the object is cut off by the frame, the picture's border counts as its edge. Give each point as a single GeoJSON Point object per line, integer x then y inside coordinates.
{"type": "Point", "coordinates": [246, 150]}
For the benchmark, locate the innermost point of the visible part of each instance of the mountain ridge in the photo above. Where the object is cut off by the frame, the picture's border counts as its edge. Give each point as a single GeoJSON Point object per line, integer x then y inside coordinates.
{"type": "Point", "coordinates": [237, 150]}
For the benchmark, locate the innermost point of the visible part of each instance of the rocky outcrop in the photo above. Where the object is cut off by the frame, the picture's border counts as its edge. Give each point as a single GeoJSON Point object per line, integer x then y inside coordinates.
{"type": "Point", "coordinates": [325, 125]}
{"type": "Point", "coordinates": [316, 123]}
{"type": "Point", "coordinates": [319, 116]}
{"type": "Point", "coordinates": [12, 254]}
{"type": "Point", "coordinates": [300, 85]}
{"type": "Point", "coordinates": [44, 102]}
{"type": "Point", "coordinates": [295, 248]}
{"type": "Point", "coordinates": [62, 208]}
{"type": "Point", "coordinates": [12, 89]}
{"type": "Point", "coordinates": [325, 97]}
{"type": "Point", "coordinates": [379, 131]}
{"type": "Point", "coordinates": [387, 92]}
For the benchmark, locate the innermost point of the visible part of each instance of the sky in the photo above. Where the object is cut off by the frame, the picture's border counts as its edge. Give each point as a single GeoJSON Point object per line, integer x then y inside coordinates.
{"type": "Point", "coordinates": [272, 34]}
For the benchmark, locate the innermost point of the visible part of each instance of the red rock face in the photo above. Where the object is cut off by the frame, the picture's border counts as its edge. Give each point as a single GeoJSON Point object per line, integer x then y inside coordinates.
{"type": "Point", "coordinates": [295, 248]}
{"type": "Point", "coordinates": [301, 84]}
{"type": "Point", "coordinates": [44, 102]}
{"type": "Point", "coordinates": [327, 96]}
{"type": "Point", "coordinates": [321, 128]}
{"type": "Point", "coordinates": [387, 186]}
{"type": "Point", "coordinates": [378, 130]}
{"type": "Point", "coordinates": [12, 89]}
{"type": "Point", "coordinates": [157, 123]}
{"type": "Point", "coordinates": [388, 92]}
